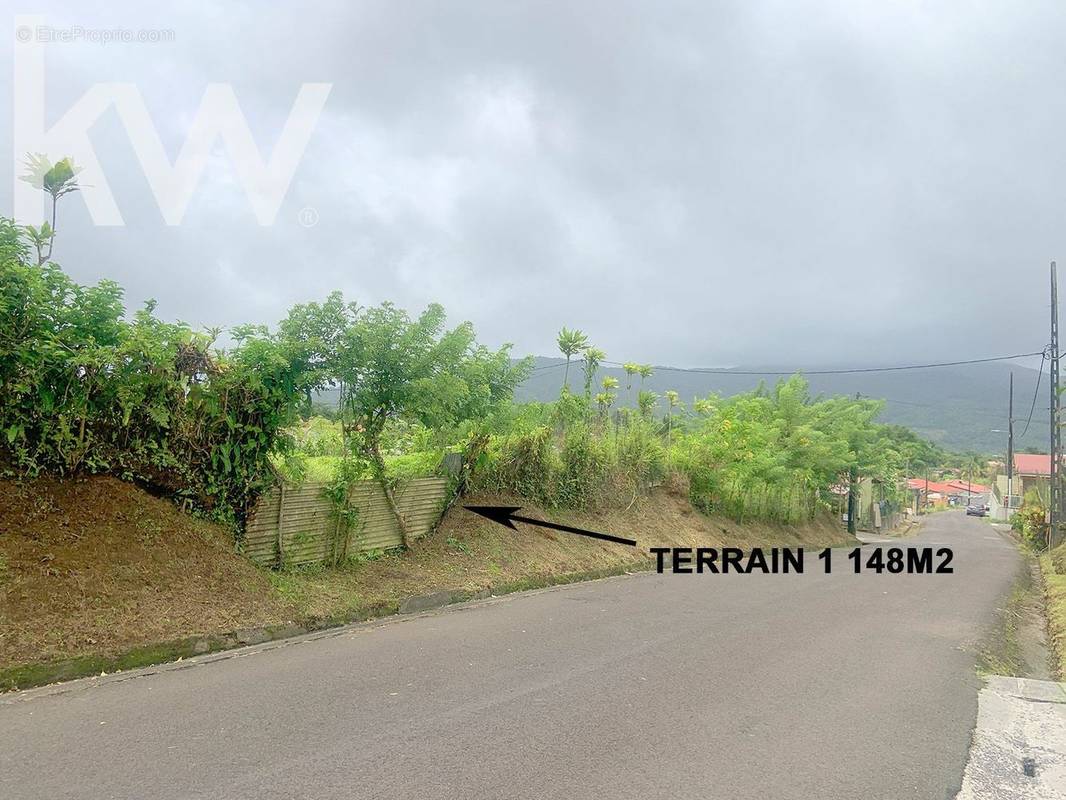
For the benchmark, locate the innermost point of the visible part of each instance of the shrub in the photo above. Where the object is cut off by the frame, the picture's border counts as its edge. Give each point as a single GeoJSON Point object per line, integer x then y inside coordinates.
{"type": "Point", "coordinates": [522, 464]}
{"type": "Point", "coordinates": [318, 436]}
{"type": "Point", "coordinates": [83, 389]}
{"type": "Point", "coordinates": [582, 469]}
{"type": "Point", "coordinates": [412, 465]}
{"type": "Point", "coordinates": [639, 453]}
{"type": "Point", "coordinates": [1028, 521]}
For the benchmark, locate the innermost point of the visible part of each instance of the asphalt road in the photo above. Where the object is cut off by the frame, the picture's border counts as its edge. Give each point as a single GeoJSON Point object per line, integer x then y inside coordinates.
{"type": "Point", "coordinates": [648, 686]}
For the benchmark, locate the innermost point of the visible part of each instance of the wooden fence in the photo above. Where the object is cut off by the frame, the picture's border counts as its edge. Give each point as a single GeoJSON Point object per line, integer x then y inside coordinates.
{"type": "Point", "coordinates": [298, 524]}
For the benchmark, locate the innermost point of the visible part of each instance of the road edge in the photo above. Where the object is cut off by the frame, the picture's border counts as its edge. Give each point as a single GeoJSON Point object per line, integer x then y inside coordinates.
{"type": "Point", "coordinates": [193, 650]}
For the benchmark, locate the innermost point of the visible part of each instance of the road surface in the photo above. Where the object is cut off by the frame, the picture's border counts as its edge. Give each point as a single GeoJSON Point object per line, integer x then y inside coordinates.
{"type": "Point", "coordinates": [648, 686]}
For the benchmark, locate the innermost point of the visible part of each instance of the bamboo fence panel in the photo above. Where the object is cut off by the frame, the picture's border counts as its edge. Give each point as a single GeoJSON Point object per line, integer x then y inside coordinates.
{"type": "Point", "coordinates": [296, 524]}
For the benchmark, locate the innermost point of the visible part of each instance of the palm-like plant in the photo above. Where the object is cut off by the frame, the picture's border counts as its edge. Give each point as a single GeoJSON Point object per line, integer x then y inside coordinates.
{"type": "Point", "coordinates": [673, 400]}
{"type": "Point", "coordinates": [645, 371]}
{"type": "Point", "coordinates": [973, 465]}
{"type": "Point", "coordinates": [631, 370]}
{"type": "Point", "coordinates": [571, 342]}
{"type": "Point", "coordinates": [593, 357]}
{"type": "Point", "coordinates": [56, 180]}
{"type": "Point", "coordinates": [606, 398]}
{"type": "Point", "coordinates": [646, 403]}
{"type": "Point", "coordinates": [703, 406]}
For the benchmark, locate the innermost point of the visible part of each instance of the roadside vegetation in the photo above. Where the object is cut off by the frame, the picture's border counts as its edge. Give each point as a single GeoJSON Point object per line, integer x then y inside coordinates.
{"type": "Point", "coordinates": [1053, 568]}
{"type": "Point", "coordinates": [338, 392]}
{"type": "Point", "coordinates": [86, 388]}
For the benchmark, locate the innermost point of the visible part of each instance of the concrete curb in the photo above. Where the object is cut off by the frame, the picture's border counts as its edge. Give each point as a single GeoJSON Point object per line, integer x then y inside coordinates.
{"type": "Point", "coordinates": [1019, 745]}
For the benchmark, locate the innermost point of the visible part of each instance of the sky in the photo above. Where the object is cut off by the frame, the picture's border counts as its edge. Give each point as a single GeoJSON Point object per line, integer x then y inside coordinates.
{"type": "Point", "coordinates": [837, 182]}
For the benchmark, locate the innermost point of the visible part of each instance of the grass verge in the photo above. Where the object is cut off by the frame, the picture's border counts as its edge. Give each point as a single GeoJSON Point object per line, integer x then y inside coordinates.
{"type": "Point", "coordinates": [1013, 646]}
{"type": "Point", "coordinates": [1053, 566]}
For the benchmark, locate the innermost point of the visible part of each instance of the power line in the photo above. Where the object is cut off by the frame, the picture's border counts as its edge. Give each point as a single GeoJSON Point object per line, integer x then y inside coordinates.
{"type": "Point", "coordinates": [981, 411]}
{"type": "Point", "coordinates": [548, 366]}
{"type": "Point", "coordinates": [850, 371]}
{"type": "Point", "coordinates": [1039, 375]}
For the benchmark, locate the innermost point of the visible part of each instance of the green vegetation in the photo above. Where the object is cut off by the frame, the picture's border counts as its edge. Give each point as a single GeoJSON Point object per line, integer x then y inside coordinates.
{"type": "Point", "coordinates": [769, 454]}
{"type": "Point", "coordinates": [1053, 568]}
{"type": "Point", "coordinates": [1030, 521]}
{"type": "Point", "coordinates": [56, 180]}
{"type": "Point", "coordinates": [84, 388]}
{"type": "Point", "coordinates": [570, 344]}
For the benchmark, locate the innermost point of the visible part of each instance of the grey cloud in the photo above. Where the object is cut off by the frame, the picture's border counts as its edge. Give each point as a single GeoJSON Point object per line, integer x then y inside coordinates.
{"type": "Point", "coordinates": [695, 183]}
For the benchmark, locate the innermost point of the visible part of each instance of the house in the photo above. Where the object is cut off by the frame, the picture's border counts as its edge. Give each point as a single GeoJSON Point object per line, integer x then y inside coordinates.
{"type": "Point", "coordinates": [1032, 472]}
{"type": "Point", "coordinates": [872, 511]}
{"type": "Point", "coordinates": [965, 492]}
{"type": "Point", "coordinates": [929, 493]}
{"type": "Point", "coordinates": [952, 492]}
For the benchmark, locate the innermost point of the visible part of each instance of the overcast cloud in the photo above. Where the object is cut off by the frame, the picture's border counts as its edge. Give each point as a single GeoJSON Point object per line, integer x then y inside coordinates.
{"type": "Point", "coordinates": [690, 183]}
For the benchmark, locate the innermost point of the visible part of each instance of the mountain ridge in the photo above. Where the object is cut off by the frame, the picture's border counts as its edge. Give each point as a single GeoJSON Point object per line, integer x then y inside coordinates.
{"type": "Point", "coordinates": [959, 407]}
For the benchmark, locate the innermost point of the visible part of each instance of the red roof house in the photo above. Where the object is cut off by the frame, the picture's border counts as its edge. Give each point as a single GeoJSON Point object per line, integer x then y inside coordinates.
{"type": "Point", "coordinates": [960, 486]}
{"type": "Point", "coordinates": [932, 486]}
{"type": "Point", "coordinates": [1032, 464]}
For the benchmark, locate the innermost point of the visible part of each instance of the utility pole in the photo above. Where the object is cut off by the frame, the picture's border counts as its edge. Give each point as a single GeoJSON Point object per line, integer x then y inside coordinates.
{"type": "Point", "coordinates": [1055, 509]}
{"type": "Point", "coordinates": [1010, 446]}
{"type": "Point", "coordinates": [852, 474]}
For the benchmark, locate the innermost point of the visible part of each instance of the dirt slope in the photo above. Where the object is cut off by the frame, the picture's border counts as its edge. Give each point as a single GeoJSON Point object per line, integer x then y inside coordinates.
{"type": "Point", "coordinates": [98, 566]}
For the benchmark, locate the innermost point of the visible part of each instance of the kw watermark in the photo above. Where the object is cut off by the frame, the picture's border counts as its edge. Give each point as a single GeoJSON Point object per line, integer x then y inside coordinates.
{"type": "Point", "coordinates": [219, 116]}
{"type": "Point", "coordinates": [47, 34]}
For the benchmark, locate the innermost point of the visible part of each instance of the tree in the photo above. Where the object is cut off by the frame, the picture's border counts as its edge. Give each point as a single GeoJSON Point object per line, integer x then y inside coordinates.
{"type": "Point", "coordinates": [673, 401]}
{"type": "Point", "coordinates": [973, 465]}
{"type": "Point", "coordinates": [606, 398]}
{"type": "Point", "coordinates": [646, 403]}
{"type": "Point", "coordinates": [571, 342]}
{"type": "Point", "coordinates": [645, 371]}
{"type": "Point", "coordinates": [56, 180]}
{"type": "Point", "coordinates": [704, 406]}
{"type": "Point", "coordinates": [87, 387]}
{"type": "Point", "coordinates": [593, 357]}
{"type": "Point", "coordinates": [392, 367]}
{"type": "Point", "coordinates": [631, 370]}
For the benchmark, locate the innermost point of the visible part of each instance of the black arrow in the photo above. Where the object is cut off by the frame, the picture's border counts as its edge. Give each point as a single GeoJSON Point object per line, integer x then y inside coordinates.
{"type": "Point", "coordinates": [505, 516]}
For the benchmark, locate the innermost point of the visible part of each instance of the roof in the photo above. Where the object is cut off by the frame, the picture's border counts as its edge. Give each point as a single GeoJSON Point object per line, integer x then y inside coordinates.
{"type": "Point", "coordinates": [1032, 464]}
{"type": "Point", "coordinates": [968, 486]}
{"type": "Point", "coordinates": [932, 486]}
{"type": "Point", "coordinates": [947, 487]}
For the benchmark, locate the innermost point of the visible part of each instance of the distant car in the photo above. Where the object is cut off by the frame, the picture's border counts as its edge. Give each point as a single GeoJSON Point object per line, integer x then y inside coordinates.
{"type": "Point", "coordinates": [976, 511]}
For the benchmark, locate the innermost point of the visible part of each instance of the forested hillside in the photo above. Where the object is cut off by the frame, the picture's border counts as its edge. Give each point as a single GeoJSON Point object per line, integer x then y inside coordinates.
{"type": "Point", "coordinates": [959, 408]}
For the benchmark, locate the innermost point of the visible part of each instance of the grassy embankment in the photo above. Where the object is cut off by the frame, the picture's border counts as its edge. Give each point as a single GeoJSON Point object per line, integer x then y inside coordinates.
{"type": "Point", "coordinates": [1053, 566]}
{"type": "Point", "coordinates": [96, 575]}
